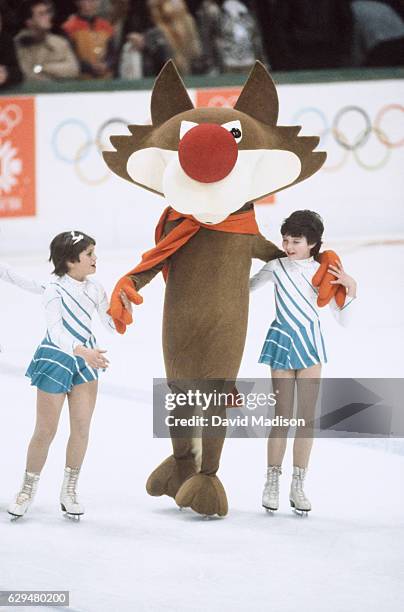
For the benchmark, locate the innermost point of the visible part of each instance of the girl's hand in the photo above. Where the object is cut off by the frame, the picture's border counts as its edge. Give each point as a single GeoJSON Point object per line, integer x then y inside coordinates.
{"type": "Point", "coordinates": [342, 278]}
{"type": "Point", "coordinates": [127, 303]}
{"type": "Point", "coordinates": [118, 312]}
{"type": "Point", "coordinates": [93, 357]}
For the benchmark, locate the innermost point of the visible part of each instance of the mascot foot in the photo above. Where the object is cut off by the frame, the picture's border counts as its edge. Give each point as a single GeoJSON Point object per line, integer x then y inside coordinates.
{"type": "Point", "coordinates": [204, 494]}
{"type": "Point", "coordinates": [168, 477]}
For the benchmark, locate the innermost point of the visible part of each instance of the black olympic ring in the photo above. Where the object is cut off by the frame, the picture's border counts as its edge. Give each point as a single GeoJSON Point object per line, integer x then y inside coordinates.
{"type": "Point", "coordinates": [363, 135]}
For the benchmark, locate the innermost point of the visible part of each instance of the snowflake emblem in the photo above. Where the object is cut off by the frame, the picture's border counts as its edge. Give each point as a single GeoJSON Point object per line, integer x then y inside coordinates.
{"type": "Point", "coordinates": [10, 166]}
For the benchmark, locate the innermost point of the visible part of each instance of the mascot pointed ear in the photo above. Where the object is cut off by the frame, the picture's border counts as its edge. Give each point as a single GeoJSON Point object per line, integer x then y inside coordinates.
{"type": "Point", "coordinates": [169, 97]}
{"type": "Point", "coordinates": [259, 97]}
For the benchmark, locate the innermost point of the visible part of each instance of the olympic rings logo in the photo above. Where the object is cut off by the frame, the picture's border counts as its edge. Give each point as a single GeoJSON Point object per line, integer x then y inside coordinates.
{"type": "Point", "coordinates": [350, 142]}
{"type": "Point", "coordinates": [10, 117]}
{"type": "Point", "coordinates": [87, 142]}
{"type": "Point", "coordinates": [354, 144]}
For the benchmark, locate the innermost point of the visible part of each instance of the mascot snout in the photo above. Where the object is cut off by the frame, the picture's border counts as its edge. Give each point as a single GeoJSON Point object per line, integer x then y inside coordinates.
{"type": "Point", "coordinates": [208, 153]}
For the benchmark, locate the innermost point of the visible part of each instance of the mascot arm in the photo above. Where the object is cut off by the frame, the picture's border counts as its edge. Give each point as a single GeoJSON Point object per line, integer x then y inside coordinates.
{"type": "Point", "coordinates": [129, 284]}
{"type": "Point", "coordinates": [322, 279]}
{"type": "Point", "coordinates": [143, 278]}
{"type": "Point", "coordinates": [265, 249]}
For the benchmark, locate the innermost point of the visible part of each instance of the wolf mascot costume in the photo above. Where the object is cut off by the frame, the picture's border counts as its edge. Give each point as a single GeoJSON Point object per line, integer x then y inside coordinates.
{"type": "Point", "coordinates": [210, 164]}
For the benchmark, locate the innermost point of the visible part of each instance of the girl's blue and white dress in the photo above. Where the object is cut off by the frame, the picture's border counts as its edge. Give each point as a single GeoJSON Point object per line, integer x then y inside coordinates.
{"type": "Point", "coordinates": [69, 307]}
{"type": "Point", "coordinates": [294, 340]}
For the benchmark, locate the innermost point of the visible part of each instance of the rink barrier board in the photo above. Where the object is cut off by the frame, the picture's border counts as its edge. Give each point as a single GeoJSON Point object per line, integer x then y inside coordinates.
{"type": "Point", "coordinates": [201, 82]}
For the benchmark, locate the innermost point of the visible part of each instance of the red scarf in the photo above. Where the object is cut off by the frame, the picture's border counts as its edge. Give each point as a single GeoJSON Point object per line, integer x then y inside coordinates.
{"type": "Point", "coordinates": [241, 223]}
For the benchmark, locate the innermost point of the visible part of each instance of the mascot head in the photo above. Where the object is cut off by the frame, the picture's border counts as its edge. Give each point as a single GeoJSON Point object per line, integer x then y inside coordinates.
{"type": "Point", "coordinates": [208, 162]}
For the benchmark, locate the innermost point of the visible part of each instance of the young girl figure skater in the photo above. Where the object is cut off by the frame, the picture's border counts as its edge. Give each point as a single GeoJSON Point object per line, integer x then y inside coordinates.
{"type": "Point", "coordinates": [294, 347]}
{"type": "Point", "coordinates": [66, 363]}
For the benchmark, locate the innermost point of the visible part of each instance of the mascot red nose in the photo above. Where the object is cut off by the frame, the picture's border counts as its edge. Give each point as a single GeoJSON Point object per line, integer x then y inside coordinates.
{"type": "Point", "coordinates": [208, 153]}
{"type": "Point", "coordinates": [210, 165]}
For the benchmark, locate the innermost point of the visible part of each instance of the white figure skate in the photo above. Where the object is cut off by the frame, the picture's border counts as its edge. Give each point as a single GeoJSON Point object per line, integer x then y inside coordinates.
{"type": "Point", "coordinates": [298, 500]}
{"type": "Point", "coordinates": [68, 495]}
{"type": "Point", "coordinates": [25, 497]}
{"type": "Point", "coordinates": [270, 496]}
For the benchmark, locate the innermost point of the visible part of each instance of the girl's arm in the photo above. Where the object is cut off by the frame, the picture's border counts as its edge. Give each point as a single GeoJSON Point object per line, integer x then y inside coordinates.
{"type": "Point", "coordinates": [8, 275]}
{"type": "Point", "coordinates": [264, 275]}
{"type": "Point", "coordinates": [343, 315]}
{"type": "Point", "coordinates": [102, 306]}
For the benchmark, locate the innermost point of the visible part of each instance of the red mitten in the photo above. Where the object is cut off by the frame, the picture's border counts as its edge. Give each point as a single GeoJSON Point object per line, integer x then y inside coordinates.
{"type": "Point", "coordinates": [322, 279]}
{"type": "Point", "coordinates": [117, 310]}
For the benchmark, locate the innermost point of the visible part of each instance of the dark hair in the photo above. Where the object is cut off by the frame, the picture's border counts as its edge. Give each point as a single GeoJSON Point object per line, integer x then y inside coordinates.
{"type": "Point", "coordinates": [305, 223]}
{"type": "Point", "coordinates": [28, 5]}
{"type": "Point", "coordinates": [67, 247]}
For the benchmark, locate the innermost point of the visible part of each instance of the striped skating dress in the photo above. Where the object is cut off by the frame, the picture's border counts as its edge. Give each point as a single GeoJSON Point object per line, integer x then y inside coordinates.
{"type": "Point", "coordinates": [69, 307]}
{"type": "Point", "coordinates": [294, 340]}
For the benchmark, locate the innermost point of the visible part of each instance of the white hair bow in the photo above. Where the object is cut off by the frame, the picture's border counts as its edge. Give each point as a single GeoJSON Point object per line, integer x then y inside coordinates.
{"type": "Point", "coordinates": [76, 237]}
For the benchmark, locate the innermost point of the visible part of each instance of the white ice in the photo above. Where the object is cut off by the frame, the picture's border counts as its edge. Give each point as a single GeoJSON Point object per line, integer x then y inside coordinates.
{"type": "Point", "coordinates": [132, 552]}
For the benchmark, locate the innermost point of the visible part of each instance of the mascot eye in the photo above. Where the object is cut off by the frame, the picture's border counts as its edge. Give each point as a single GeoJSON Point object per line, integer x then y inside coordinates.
{"type": "Point", "coordinates": [185, 127]}
{"type": "Point", "coordinates": [234, 128]}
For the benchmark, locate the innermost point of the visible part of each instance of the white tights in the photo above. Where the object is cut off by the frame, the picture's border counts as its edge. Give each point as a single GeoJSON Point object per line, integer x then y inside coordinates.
{"type": "Point", "coordinates": [307, 383]}
{"type": "Point", "coordinates": [81, 402]}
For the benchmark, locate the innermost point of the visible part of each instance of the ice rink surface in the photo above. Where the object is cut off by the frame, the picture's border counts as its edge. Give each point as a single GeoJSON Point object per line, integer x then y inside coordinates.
{"type": "Point", "coordinates": [136, 553]}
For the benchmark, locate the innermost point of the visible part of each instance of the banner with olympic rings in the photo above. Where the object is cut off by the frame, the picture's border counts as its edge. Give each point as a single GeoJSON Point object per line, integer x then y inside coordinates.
{"type": "Point", "coordinates": [359, 191]}
{"type": "Point", "coordinates": [17, 157]}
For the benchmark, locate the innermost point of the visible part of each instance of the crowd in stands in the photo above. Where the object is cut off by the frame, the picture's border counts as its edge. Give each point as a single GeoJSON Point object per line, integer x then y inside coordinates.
{"type": "Point", "coordinates": [43, 40]}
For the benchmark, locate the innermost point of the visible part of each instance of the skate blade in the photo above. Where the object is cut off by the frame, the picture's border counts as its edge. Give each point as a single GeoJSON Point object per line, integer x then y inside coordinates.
{"type": "Point", "coordinates": [299, 511]}
{"type": "Point", "coordinates": [73, 517]}
{"type": "Point", "coordinates": [269, 509]}
{"type": "Point", "coordinates": [15, 517]}
{"type": "Point", "coordinates": [70, 515]}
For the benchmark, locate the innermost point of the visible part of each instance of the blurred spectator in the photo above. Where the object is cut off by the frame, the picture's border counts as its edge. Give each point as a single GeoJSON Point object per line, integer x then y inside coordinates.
{"type": "Point", "coordinates": [208, 18]}
{"type": "Point", "coordinates": [169, 32]}
{"type": "Point", "coordinates": [303, 37]}
{"type": "Point", "coordinates": [117, 14]}
{"type": "Point", "coordinates": [10, 73]}
{"type": "Point", "coordinates": [42, 55]}
{"type": "Point", "coordinates": [378, 38]}
{"type": "Point", "coordinates": [144, 54]}
{"type": "Point", "coordinates": [178, 26]}
{"type": "Point", "coordinates": [239, 42]}
{"type": "Point", "coordinates": [93, 40]}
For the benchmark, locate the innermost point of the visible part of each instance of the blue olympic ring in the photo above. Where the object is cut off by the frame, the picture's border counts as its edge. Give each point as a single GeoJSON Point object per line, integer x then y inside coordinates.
{"type": "Point", "coordinates": [55, 137]}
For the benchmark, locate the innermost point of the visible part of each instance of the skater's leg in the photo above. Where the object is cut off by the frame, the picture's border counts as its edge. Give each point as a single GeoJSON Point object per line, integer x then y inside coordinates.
{"type": "Point", "coordinates": [283, 385]}
{"type": "Point", "coordinates": [82, 399]}
{"type": "Point", "coordinates": [49, 407]}
{"type": "Point", "coordinates": [308, 385]}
